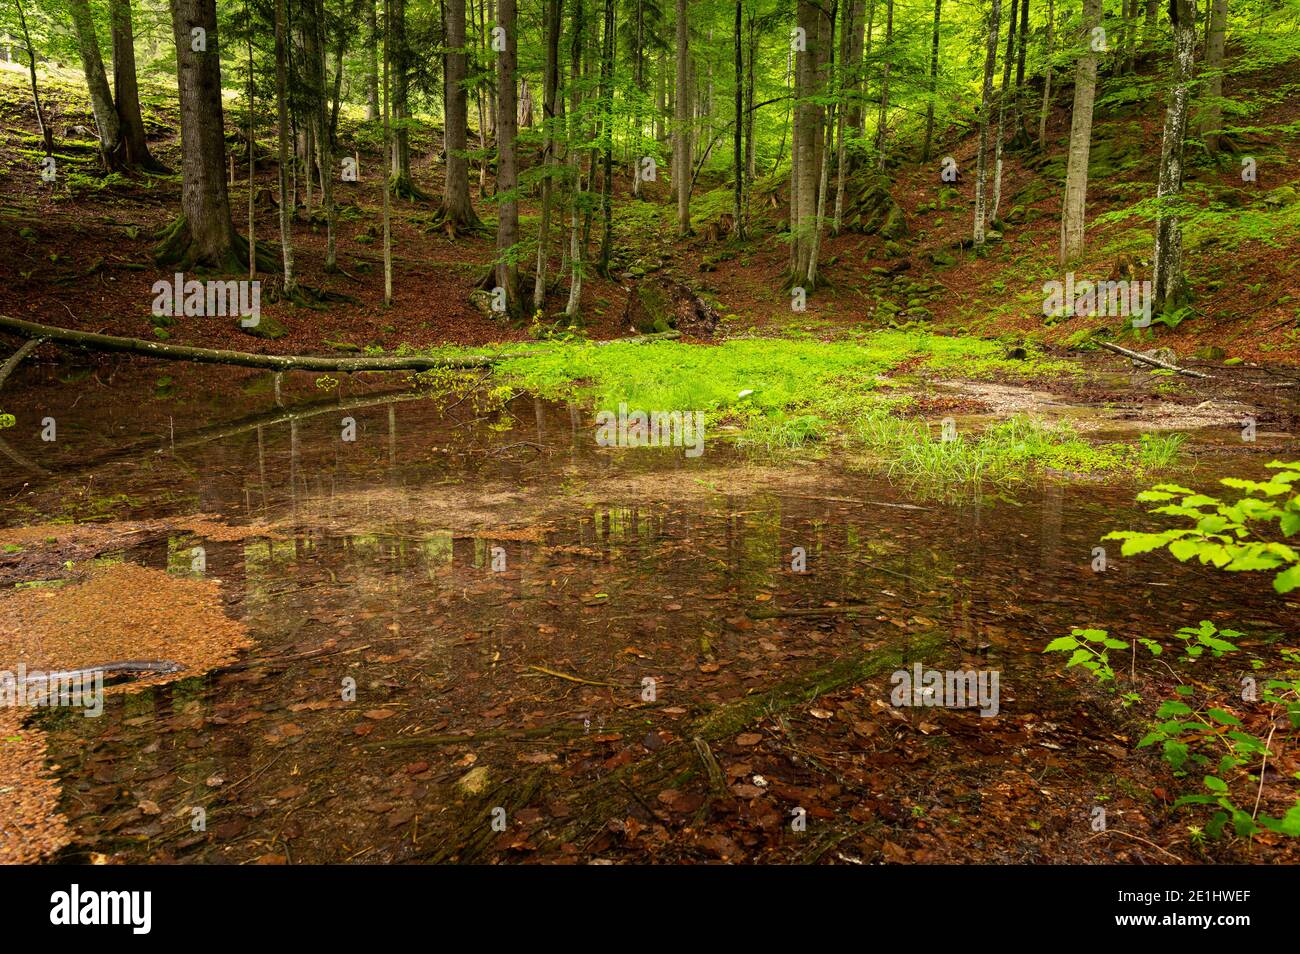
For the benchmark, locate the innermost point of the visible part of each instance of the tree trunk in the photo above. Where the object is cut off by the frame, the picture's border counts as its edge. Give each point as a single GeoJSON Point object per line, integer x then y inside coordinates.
{"type": "Point", "coordinates": [282, 121]}
{"type": "Point", "coordinates": [1212, 121]}
{"type": "Point", "coordinates": [682, 126]}
{"type": "Point", "coordinates": [101, 98]}
{"type": "Point", "coordinates": [1074, 203]}
{"type": "Point", "coordinates": [386, 108]}
{"type": "Point", "coordinates": [986, 102]}
{"type": "Point", "coordinates": [934, 82]}
{"type": "Point", "coordinates": [575, 164]}
{"type": "Point", "coordinates": [882, 124]}
{"type": "Point", "coordinates": [205, 233]}
{"type": "Point", "coordinates": [1047, 77]}
{"type": "Point", "coordinates": [372, 63]}
{"type": "Point", "coordinates": [607, 135]}
{"type": "Point", "coordinates": [550, 90]}
{"type": "Point", "coordinates": [507, 267]}
{"type": "Point", "coordinates": [1002, 110]}
{"type": "Point", "coordinates": [826, 55]}
{"type": "Point", "coordinates": [314, 35]}
{"type": "Point", "coordinates": [457, 214]}
{"type": "Point", "coordinates": [126, 91]}
{"type": "Point", "coordinates": [47, 133]}
{"type": "Point", "coordinates": [403, 183]}
{"type": "Point", "coordinates": [1169, 288]}
{"type": "Point", "coordinates": [739, 131]}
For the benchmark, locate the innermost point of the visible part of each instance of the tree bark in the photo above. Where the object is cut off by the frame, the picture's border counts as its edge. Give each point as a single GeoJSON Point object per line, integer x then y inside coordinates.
{"type": "Point", "coordinates": [1047, 76]}
{"type": "Point", "coordinates": [550, 90]}
{"type": "Point", "coordinates": [575, 164]}
{"type": "Point", "coordinates": [1212, 121]}
{"type": "Point", "coordinates": [882, 123]}
{"type": "Point", "coordinates": [101, 98]}
{"type": "Point", "coordinates": [205, 232]}
{"type": "Point", "coordinates": [372, 62]}
{"type": "Point", "coordinates": [1169, 288]}
{"type": "Point", "coordinates": [47, 133]}
{"type": "Point", "coordinates": [934, 81]}
{"type": "Point", "coordinates": [457, 214]}
{"type": "Point", "coordinates": [682, 126]}
{"type": "Point", "coordinates": [1074, 203]}
{"type": "Point", "coordinates": [507, 268]}
{"type": "Point", "coordinates": [1002, 110]}
{"type": "Point", "coordinates": [126, 90]}
{"type": "Point", "coordinates": [986, 103]}
{"type": "Point", "coordinates": [283, 133]}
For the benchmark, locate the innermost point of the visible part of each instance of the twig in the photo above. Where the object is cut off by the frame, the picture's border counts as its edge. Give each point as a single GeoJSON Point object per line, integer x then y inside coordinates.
{"type": "Point", "coordinates": [561, 675]}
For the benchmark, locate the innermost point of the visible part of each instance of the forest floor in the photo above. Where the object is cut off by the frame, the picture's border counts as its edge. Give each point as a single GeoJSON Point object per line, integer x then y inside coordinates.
{"type": "Point", "coordinates": [524, 688]}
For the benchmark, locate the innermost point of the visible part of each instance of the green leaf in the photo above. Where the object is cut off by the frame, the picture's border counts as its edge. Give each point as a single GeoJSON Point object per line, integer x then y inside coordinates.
{"type": "Point", "coordinates": [1287, 580]}
{"type": "Point", "coordinates": [1061, 644]}
{"type": "Point", "coordinates": [1224, 718]}
{"type": "Point", "coordinates": [1215, 784]}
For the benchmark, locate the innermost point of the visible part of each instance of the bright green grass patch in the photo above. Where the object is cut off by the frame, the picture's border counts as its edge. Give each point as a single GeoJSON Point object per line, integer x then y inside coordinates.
{"type": "Point", "coordinates": [742, 380]}
{"type": "Point", "coordinates": [773, 395]}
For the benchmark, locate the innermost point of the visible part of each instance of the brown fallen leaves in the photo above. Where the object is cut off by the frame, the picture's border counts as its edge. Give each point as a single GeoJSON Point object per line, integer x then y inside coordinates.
{"type": "Point", "coordinates": [120, 612]}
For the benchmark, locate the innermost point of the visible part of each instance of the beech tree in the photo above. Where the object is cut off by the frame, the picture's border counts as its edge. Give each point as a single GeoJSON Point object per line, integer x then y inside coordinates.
{"type": "Point", "coordinates": [1074, 203]}
{"type": "Point", "coordinates": [1168, 284]}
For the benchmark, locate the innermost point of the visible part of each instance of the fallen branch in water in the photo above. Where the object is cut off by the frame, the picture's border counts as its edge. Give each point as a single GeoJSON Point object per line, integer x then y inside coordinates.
{"type": "Point", "coordinates": [1154, 362]}
{"type": "Point", "coordinates": [274, 362]}
{"type": "Point", "coordinates": [127, 669]}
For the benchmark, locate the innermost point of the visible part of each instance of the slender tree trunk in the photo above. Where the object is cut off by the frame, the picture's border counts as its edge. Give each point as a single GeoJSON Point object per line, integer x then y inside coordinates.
{"type": "Point", "coordinates": [315, 30]}
{"type": "Point", "coordinates": [550, 92]}
{"type": "Point", "coordinates": [1047, 76]}
{"type": "Point", "coordinates": [1074, 204]}
{"type": "Point", "coordinates": [934, 81]}
{"type": "Point", "coordinates": [101, 98]}
{"type": "Point", "coordinates": [252, 162]}
{"type": "Point", "coordinates": [607, 135]}
{"type": "Point", "coordinates": [1002, 111]}
{"type": "Point", "coordinates": [457, 214]}
{"type": "Point", "coordinates": [739, 131]}
{"type": "Point", "coordinates": [507, 268]}
{"type": "Point", "coordinates": [372, 63]}
{"type": "Point", "coordinates": [827, 55]}
{"type": "Point", "coordinates": [986, 104]}
{"type": "Point", "coordinates": [682, 126]}
{"type": "Point", "coordinates": [388, 146]}
{"type": "Point", "coordinates": [283, 133]}
{"type": "Point", "coordinates": [1212, 121]}
{"type": "Point", "coordinates": [126, 91]}
{"type": "Point", "coordinates": [575, 164]}
{"type": "Point", "coordinates": [841, 114]}
{"type": "Point", "coordinates": [1169, 289]}
{"type": "Point", "coordinates": [882, 124]}
{"type": "Point", "coordinates": [47, 134]}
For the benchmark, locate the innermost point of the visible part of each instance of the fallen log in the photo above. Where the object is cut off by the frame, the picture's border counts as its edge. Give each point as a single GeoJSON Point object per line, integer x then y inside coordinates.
{"type": "Point", "coordinates": [275, 362]}
{"type": "Point", "coordinates": [1154, 362]}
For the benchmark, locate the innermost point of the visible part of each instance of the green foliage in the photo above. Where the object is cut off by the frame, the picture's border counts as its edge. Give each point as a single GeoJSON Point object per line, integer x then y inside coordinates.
{"type": "Point", "coordinates": [1224, 534]}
